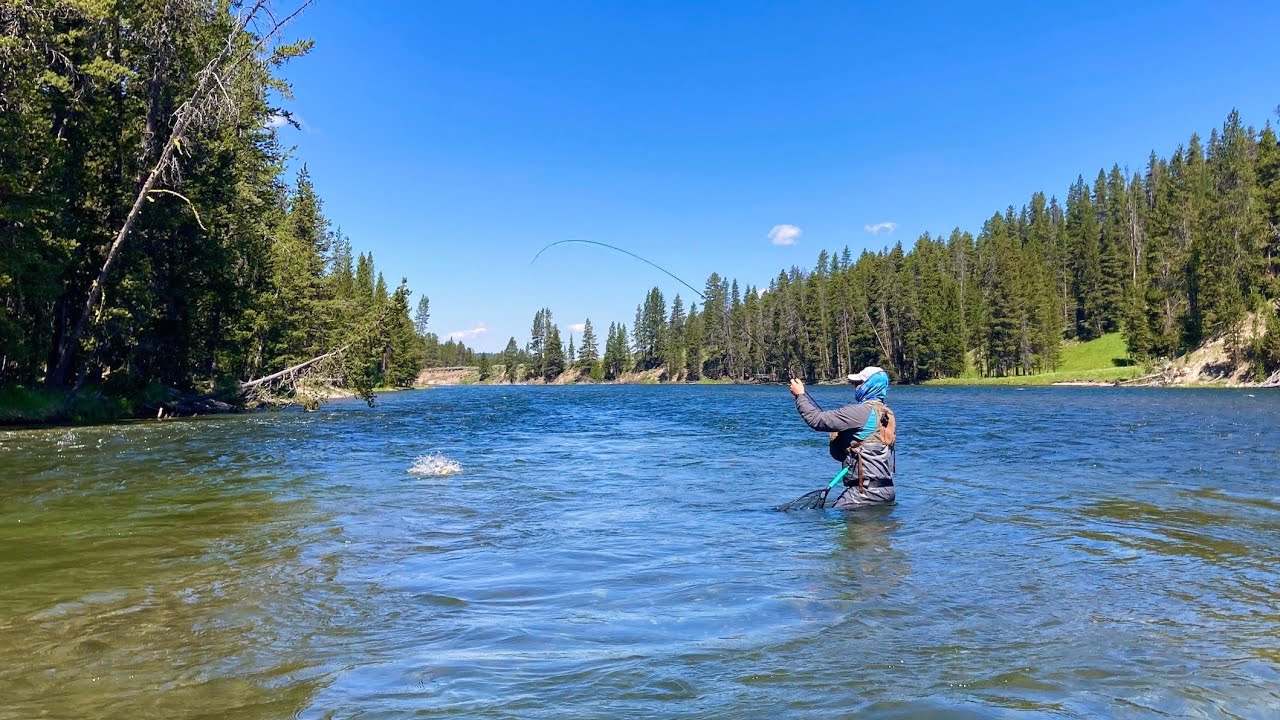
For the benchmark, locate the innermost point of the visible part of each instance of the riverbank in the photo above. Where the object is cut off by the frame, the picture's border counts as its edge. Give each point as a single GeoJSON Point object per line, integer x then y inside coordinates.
{"type": "Point", "coordinates": [43, 407]}
{"type": "Point", "coordinates": [34, 406]}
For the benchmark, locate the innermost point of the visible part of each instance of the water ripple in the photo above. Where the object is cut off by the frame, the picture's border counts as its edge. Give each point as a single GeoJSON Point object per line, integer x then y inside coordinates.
{"type": "Point", "coordinates": [609, 552]}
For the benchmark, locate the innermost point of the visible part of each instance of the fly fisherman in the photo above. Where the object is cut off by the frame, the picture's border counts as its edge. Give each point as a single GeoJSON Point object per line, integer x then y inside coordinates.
{"type": "Point", "coordinates": [862, 438]}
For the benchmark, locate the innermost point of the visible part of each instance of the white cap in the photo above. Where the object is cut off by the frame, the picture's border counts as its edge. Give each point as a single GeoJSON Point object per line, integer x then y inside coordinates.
{"type": "Point", "coordinates": [866, 373]}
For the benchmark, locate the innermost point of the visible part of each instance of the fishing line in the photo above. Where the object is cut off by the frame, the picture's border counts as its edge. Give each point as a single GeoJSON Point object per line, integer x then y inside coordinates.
{"type": "Point", "coordinates": [670, 274]}
{"type": "Point", "coordinates": [746, 330]}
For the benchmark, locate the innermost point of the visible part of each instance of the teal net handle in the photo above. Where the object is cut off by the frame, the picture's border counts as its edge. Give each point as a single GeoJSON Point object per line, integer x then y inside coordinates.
{"type": "Point", "coordinates": [839, 476]}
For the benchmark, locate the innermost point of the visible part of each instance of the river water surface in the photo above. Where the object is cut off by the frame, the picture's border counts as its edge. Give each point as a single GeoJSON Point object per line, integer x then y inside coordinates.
{"type": "Point", "coordinates": [610, 552]}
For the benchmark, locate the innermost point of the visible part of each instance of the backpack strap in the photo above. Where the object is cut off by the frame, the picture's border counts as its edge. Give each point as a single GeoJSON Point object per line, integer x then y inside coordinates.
{"type": "Point", "coordinates": [887, 425]}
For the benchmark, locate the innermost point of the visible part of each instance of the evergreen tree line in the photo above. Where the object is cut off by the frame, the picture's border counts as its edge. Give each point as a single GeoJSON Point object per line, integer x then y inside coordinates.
{"type": "Point", "coordinates": [229, 272]}
{"type": "Point", "coordinates": [1171, 257]}
{"type": "Point", "coordinates": [436, 354]}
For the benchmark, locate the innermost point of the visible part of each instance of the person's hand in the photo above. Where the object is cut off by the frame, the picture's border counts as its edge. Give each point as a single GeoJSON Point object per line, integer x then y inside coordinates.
{"type": "Point", "coordinates": [797, 387]}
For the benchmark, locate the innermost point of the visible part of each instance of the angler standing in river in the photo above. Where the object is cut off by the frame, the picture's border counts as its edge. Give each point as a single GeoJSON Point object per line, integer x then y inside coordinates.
{"type": "Point", "coordinates": [863, 435]}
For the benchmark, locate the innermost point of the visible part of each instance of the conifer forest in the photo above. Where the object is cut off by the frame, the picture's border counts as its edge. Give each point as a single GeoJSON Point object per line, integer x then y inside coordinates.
{"type": "Point", "coordinates": [158, 118]}
{"type": "Point", "coordinates": [151, 237]}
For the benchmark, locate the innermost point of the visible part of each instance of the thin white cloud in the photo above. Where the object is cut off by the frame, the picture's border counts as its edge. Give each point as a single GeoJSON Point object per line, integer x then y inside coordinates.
{"type": "Point", "coordinates": [474, 332]}
{"type": "Point", "coordinates": [887, 226]}
{"type": "Point", "coordinates": [578, 327]}
{"type": "Point", "coordinates": [784, 234]}
{"type": "Point", "coordinates": [282, 119]}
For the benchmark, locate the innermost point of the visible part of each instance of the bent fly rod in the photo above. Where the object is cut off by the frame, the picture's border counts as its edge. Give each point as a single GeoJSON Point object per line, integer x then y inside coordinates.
{"type": "Point", "coordinates": [650, 263]}
{"type": "Point", "coordinates": [693, 289]}
{"type": "Point", "coordinates": [655, 265]}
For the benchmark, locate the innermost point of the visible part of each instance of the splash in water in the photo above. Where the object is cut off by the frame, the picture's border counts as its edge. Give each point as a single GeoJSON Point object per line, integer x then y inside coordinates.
{"type": "Point", "coordinates": [436, 465]}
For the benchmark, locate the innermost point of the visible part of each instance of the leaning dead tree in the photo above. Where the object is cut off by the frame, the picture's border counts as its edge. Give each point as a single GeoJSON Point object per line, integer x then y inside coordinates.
{"type": "Point", "coordinates": [1273, 381]}
{"type": "Point", "coordinates": [345, 370]}
{"type": "Point", "coordinates": [307, 383]}
{"type": "Point", "coordinates": [209, 101]}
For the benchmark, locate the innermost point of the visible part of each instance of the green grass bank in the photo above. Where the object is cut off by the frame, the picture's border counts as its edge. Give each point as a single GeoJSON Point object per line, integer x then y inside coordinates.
{"type": "Point", "coordinates": [1104, 360]}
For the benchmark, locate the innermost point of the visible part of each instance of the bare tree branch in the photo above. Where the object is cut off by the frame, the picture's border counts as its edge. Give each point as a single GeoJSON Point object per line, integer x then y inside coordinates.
{"type": "Point", "coordinates": [187, 201]}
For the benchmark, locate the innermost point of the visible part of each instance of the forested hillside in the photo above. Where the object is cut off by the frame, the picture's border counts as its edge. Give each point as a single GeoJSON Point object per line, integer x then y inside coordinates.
{"type": "Point", "coordinates": [148, 234]}
{"type": "Point", "coordinates": [1170, 256]}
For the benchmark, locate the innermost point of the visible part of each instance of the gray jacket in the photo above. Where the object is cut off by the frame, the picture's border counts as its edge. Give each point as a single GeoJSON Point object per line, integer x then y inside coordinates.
{"type": "Point", "coordinates": [853, 422]}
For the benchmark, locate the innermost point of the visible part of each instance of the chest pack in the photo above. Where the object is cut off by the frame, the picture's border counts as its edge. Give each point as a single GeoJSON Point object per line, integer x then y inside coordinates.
{"type": "Point", "coordinates": [846, 444]}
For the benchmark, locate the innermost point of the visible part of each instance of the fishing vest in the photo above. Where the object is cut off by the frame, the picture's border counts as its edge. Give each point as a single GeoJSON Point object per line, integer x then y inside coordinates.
{"type": "Point", "coordinates": [845, 446]}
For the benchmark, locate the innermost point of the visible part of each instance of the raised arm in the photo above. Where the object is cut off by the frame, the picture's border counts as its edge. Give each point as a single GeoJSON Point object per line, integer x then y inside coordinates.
{"type": "Point", "coordinates": [849, 417]}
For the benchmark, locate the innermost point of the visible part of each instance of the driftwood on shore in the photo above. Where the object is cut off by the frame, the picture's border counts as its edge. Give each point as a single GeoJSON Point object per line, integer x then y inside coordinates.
{"type": "Point", "coordinates": [1159, 379]}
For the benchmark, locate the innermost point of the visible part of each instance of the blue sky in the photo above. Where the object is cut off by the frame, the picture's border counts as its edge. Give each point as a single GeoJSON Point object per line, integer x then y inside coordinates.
{"type": "Point", "coordinates": [453, 140]}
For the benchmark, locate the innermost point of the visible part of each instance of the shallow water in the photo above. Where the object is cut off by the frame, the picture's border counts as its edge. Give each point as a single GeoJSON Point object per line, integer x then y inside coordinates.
{"type": "Point", "coordinates": [609, 551]}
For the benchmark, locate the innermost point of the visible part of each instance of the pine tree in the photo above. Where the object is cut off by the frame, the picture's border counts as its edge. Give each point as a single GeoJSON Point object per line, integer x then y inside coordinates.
{"type": "Point", "coordinates": [675, 349]}
{"type": "Point", "coordinates": [510, 359]}
{"type": "Point", "coordinates": [1041, 262]}
{"type": "Point", "coordinates": [963, 265]}
{"type": "Point", "coordinates": [1165, 298]}
{"type": "Point", "coordinates": [297, 323]}
{"type": "Point", "coordinates": [553, 364]}
{"type": "Point", "coordinates": [537, 344]}
{"type": "Point", "coordinates": [403, 353]}
{"type": "Point", "coordinates": [1269, 191]}
{"type": "Point", "coordinates": [693, 344]}
{"type": "Point", "coordinates": [422, 317]}
{"type": "Point", "coordinates": [341, 273]}
{"type": "Point", "coordinates": [1003, 323]}
{"type": "Point", "coordinates": [1114, 250]}
{"type": "Point", "coordinates": [1190, 231]}
{"type": "Point", "coordinates": [1084, 239]}
{"type": "Point", "coordinates": [651, 331]}
{"type": "Point", "coordinates": [1137, 329]}
{"type": "Point", "coordinates": [1231, 255]}
{"type": "Point", "coordinates": [713, 335]}
{"type": "Point", "coordinates": [734, 340]}
{"type": "Point", "coordinates": [589, 352]}
{"type": "Point", "coordinates": [364, 278]}
{"type": "Point", "coordinates": [617, 357]}
{"type": "Point", "coordinates": [307, 222]}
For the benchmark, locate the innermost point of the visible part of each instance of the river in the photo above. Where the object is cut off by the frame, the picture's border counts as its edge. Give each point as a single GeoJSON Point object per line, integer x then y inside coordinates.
{"type": "Point", "coordinates": [611, 552]}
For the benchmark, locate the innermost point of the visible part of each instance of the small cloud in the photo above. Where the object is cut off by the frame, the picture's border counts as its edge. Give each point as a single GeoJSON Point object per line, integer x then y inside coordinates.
{"type": "Point", "coordinates": [286, 118]}
{"type": "Point", "coordinates": [875, 229]}
{"type": "Point", "coordinates": [784, 234]}
{"type": "Point", "coordinates": [474, 332]}
{"type": "Point", "coordinates": [578, 327]}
